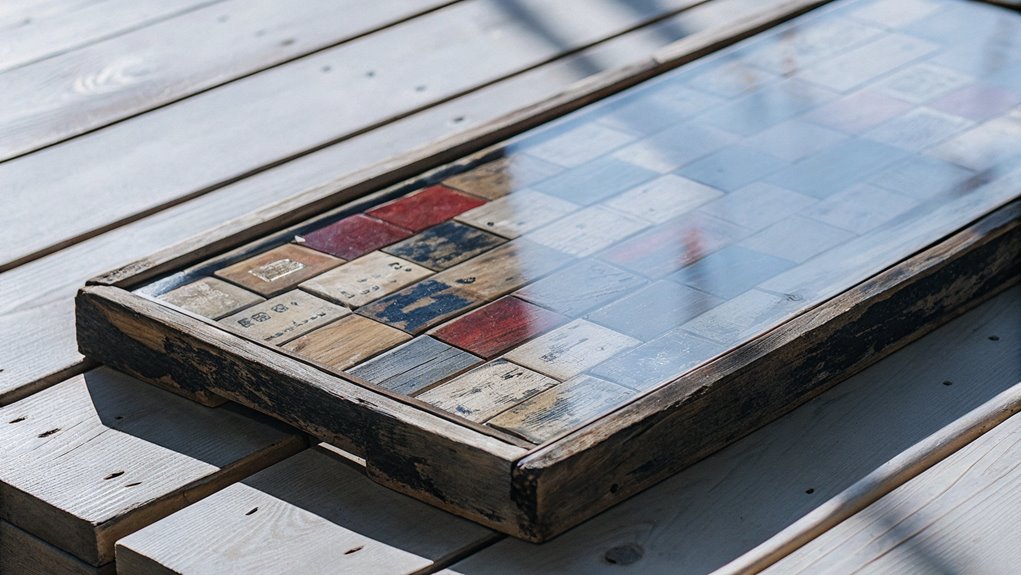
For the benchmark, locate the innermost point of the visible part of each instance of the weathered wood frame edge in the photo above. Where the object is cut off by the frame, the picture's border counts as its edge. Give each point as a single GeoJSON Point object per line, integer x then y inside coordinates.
{"type": "Point", "coordinates": [311, 202]}
{"type": "Point", "coordinates": [621, 454]}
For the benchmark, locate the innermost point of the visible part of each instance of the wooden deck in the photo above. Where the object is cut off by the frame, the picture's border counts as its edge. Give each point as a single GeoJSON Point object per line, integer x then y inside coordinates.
{"type": "Point", "coordinates": [129, 126]}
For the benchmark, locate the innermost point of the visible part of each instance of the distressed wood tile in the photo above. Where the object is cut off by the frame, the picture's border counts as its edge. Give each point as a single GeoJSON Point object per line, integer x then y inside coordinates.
{"type": "Point", "coordinates": [445, 245]}
{"type": "Point", "coordinates": [804, 45]}
{"type": "Point", "coordinates": [923, 177]}
{"type": "Point", "coordinates": [347, 342]}
{"type": "Point", "coordinates": [731, 78]}
{"type": "Point", "coordinates": [923, 82]}
{"type": "Point", "coordinates": [504, 176]}
{"type": "Point", "coordinates": [860, 208]}
{"type": "Point", "coordinates": [987, 146]}
{"type": "Point", "coordinates": [795, 139]}
{"type": "Point", "coordinates": [517, 213]}
{"type": "Point", "coordinates": [654, 309]}
{"type": "Point", "coordinates": [797, 239]}
{"type": "Point", "coordinates": [919, 129]}
{"type": "Point", "coordinates": [595, 181]}
{"type": "Point", "coordinates": [210, 297]}
{"type": "Point", "coordinates": [487, 390]}
{"type": "Point", "coordinates": [767, 107]}
{"type": "Point", "coordinates": [283, 318]}
{"type": "Point", "coordinates": [664, 198]}
{"type": "Point", "coordinates": [731, 271]}
{"type": "Point", "coordinates": [894, 14]}
{"type": "Point", "coordinates": [732, 167]}
{"type": "Point", "coordinates": [581, 287]}
{"type": "Point", "coordinates": [571, 349]}
{"type": "Point", "coordinates": [415, 365]}
{"type": "Point", "coordinates": [744, 316]}
{"type": "Point", "coordinates": [675, 244]}
{"type": "Point", "coordinates": [757, 205]}
{"type": "Point", "coordinates": [499, 326]}
{"type": "Point", "coordinates": [353, 237]}
{"type": "Point", "coordinates": [588, 231]}
{"type": "Point", "coordinates": [504, 269]}
{"type": "Point", "coordinates": [576, 145]}
{"type": "Point", "coordinates": [425, 208]}
{"type": "Point", "coordinates": [278, 270]}
{"type": "Point", "coordinates": [648, 114]}
{"type": "Point", "coordinates": [837, 168]}
{"type": "Point", "coordinates": [858, 112]}
{"type": "Point", "coordinates": [658, 361]}
{"type": "Point", "coordinates": [979, 102]}
{"type": "Point", "coordinates": [858, 66]}
{"type": "Point", "coordinates": [561, 408]}
{"type": "Point", "coordinates": [673, 147]}
{"type": "Point", "coordinates": [420, 306]}
{"type": "Point", "coordinates": [365, 279]}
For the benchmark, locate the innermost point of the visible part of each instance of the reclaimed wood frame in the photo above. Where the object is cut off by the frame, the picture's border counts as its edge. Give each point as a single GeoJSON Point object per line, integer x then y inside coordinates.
{"type": "Point", "coordinates": [530, 492]}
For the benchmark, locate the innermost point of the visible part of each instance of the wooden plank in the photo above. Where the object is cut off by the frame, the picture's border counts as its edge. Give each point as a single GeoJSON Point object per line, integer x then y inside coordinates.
{"type": "Point", "coordinates": [205, 46]}
{"type": "Point", "coordinates": [571, 349]}
{"type": "Point", "coordinates": [311, 513]}
{"type": "Point", "coordinates": [496, 327]}
{"type": "Point", "coordinates": [36, 30]}
{"type": "Point", "coordinates": [347, 342]}
{"type": "Point", "coordinates": [288, 316]}
{"type": "Point", "coordinates": [278, 270]}
{"type": "Point", "coordinates": [753, 489]}
{"type": "Point", "coordinates": [415, 365]}
{"type": "Point", "coordinates": [807, 353]}
{"type": "Point", "coordinates": [26, 554]}
{"type": "Point", "coordinates": [45, 352]}
{"type": "Point", "coordinates": [487, 390]}
{"type": "Point", "coordinates": [283, 123]}
{"type": "Point", "coordinates": [365, 279]}
{"type": "Point", "coordinates": [102, 455]}
{"type": "Point", "coordinates": [972, 496]}
{"type": "Point", "coordinates": [405, 448]}
{"type": "Point", "coordinates": [210, 297]}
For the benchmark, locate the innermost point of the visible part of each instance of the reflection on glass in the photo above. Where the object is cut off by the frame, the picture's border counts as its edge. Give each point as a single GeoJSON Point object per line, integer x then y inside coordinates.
{"type": "Point", "coordinates": [617, 249]}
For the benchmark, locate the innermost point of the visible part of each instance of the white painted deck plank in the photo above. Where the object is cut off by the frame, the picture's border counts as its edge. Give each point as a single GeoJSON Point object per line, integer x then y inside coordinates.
{"type": "Point", "coordinates": [725, 505]}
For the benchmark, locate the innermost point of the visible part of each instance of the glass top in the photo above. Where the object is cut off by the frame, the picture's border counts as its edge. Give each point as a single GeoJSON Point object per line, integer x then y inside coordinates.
{"type": "Point", "coordinates": [598, 257]}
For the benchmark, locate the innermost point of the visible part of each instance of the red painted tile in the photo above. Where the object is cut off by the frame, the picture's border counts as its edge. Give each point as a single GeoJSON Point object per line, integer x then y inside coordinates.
{"type": "Point", "coordinates": [426, 208]}
{"type": "Point", "coordinates": [498, 326]}
{"type": "Point", "coordinates": [354, 236]}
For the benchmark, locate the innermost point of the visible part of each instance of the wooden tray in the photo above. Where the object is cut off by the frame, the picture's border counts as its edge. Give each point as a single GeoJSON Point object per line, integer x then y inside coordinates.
{"type": "Point", "coordinates": [528, 335]}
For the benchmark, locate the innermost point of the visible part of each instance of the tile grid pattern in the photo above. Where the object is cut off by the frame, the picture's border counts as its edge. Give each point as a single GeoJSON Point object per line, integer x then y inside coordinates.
{"type": "Point", "coordinates": [625, 245]}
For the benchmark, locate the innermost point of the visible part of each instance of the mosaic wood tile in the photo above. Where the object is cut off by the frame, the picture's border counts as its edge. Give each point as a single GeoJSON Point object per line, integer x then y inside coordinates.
{"type": "Point", "coordinates": [346, 342]}
{"type": "Point", "coordinates": [919, 129]}
{"type": "Point", "coordinates": [654, 309]}
{"type": "Point", "coordinates": [420, 306]}
{"type": "Point", "coordinates": [731, 79]}
{"type": "Point", "coordinates": [353, 236]}
{"type": "Point", "coordinates": [499, 326]}
{"type": "Point", "coordinates": [758, 205]}
{"type": "Point", "coordinates": [815, 42]}
{"type": "Point", "coordinates": [425, 208]}
{"type": "Point", "coordinates": [673, 245]}
{"type": "Point", "coordinates": [768, 107]}
{"type": "Point", "coordinates": [578, 145]}
{"type": "Point", "coordinates": [797, 239]}
{"type": "Point", "coordinates": [664, 198]}
{"type": "Point", "coordinates": [645, 116]}
{"type": "Point", "coordinates": [569, 350]}
{"type": "Point", "coordinates": [731, 271]}
{"type": "Point", "coordinates": [669, 149]}
{"type": "Point", "coordinates": [858, 112]}
{"type": "Point", "coordinates": [445, 245]}
{"type": "Point", "coordinates": [732, 167]}
{"type": "Point", "coordinates": [856, 67]}
{"type": "Point", "coordinates": [595, 181]}
{"type": "Point", "coordinates": [581, 287]}
{"type": "Point", "coordinates": [518, 213]}
{"type": "Point", "coordinates": [837, 168]}
{"type": "Point", "coordinates": [794, 140]}
{"type": "Point", "coordinates": [978, 102]}
{"type": "Point", "coordinates": [278, 269]}
{"type": "Point", "coordinates": [860, 208]}
{"type": "Point", "coordinates": [497, 178]}
{"type": "Point", "coordinates": [365, 279]}
{"type": "Point", "coordinates": [985, 147]}
{"type": "Point", "coordinates": [923, 82]}
{"type": "Point", "coordinates": [586, 232]}
{"type": "Point", "coordinates": [658, 361]}
{"type": "Point", "coordinates": [736, 318]}
{"type": "Point", "coordinates": [923, 177]}
{"type": "Point", "coordinates": [415, 366]}
{"type": "Point", "coordinates": [210, 297]}
{"type": "Point", "coordinates": [504, 269]}
{"type": "Point", "coordinates": [283, 318]}
{"type": "Point", "coordinates": [487, 390]}
{"type": "Point", "coordinates": [561, 408]}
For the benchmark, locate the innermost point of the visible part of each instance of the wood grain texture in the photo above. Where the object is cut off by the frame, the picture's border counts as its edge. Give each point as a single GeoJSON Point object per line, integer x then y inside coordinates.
{"type": "Point", "coordinates": [487, 390]}
{"type": "Point", "coordinates": [46, 352]}
{"type": "Point", "coordinates": [959, 516]}
{"type": "Point", "coordinates": [283, 318]}
{"type": "Point", "coordinates": [515, 214]}
{"type": "Point", "coordinates": [571, 349]}
{"type": "Point", "coordinates": [283, 123]}
{"type": "Point", "coordinates": [353, 236]}
{"type": "Point", "coordinates": [755, 488]}
{"type": "Point", "coordinates": [415, 365]}
{"type": "Point", "coordinates": [584, 285]}
{"type": "Point", "coordinates": [191, 47]}
{"type": "Point", "coordinates": [346, 342]}
{"type": "Point", "coordinates": [588, 231]}
{"type": "Point", "coordinates": [101, 455]}
{"type": "Point", "coordinates": [445, 245]}
{"type": "Point", "coordinates": [496, 327]}
{"type": "Point", "coordinates": [504, 269]}
{"type": "Point", "coordinates": [420, 306]}
{"type": "Point", "coordinates": [210, 297]}
{"type": "Point", "coordinates": [497, 178]}
{"type": "Point", "coordinates": [405, 447]}
{"type": "Point", "coordinates": [811, 352]}
{"type": "Point", "coordinates": [365, 279]}
{"type": "Point", "coordinates": [310, 514]}
{"type": "Point", "coordinates": [25, 554]}
{"type": "Point", "coordinates": [431, 206]}
{"type": "Point", "coordinates": [278, 270]}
